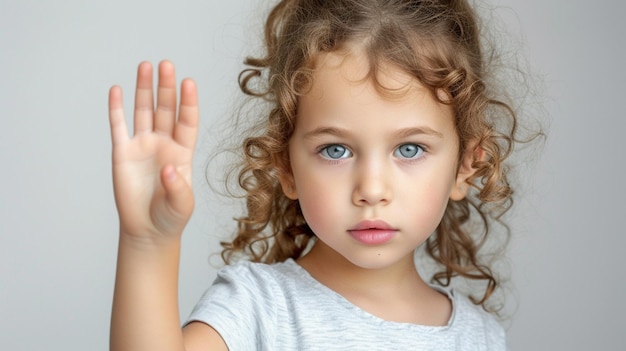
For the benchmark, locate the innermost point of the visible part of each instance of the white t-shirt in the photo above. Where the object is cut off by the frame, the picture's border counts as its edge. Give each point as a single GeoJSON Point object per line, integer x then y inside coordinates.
{"type": "Point", "coordinates": [281, 307]}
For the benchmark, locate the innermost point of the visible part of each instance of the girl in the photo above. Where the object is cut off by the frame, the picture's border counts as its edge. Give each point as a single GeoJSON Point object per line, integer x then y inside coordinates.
{"type": "Point", "coordinates": [383, 136]}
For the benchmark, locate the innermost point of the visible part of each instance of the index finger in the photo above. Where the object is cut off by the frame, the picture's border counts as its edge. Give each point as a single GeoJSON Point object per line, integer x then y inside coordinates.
{"type": "Point", "coordinates": [186, 129]}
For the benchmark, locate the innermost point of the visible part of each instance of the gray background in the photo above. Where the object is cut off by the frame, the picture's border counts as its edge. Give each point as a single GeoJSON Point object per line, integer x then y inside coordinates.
{"type": "Point", "coordinates": [58, 225]}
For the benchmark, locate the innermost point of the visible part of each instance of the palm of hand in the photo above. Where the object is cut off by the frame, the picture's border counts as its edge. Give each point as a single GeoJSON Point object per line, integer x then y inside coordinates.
{"type": "Point", "coordinates": [152, 170]}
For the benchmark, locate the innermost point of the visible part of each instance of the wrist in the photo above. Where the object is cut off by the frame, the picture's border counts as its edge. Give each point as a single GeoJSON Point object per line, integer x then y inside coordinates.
{"type": "Point", "coordinates": [148, 241]}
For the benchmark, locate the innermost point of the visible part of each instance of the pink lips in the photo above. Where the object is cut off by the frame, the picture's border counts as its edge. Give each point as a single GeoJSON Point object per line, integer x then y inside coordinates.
{"type": "Point", "coordinates": [372, 232]}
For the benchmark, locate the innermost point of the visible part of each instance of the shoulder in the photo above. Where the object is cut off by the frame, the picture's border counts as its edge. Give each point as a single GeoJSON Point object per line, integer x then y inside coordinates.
{"type": "Point", "coordinates": [256, 275]}
{"type": "Point", "coordinates": [258, 285]}
{"type": "Point", "coordinates": [473, 323]}
{"type": "Point", "coordinates": [244, 304]}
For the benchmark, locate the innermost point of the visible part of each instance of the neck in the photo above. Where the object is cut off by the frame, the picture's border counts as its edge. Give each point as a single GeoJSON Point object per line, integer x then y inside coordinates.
{"type": "Point", "coordinates": [395, 292]}
{"type": "Point", "coordinates": [346, 278]}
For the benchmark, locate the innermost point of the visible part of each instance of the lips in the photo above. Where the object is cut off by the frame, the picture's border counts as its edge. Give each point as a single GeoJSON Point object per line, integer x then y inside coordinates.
{"type": "Point", "coordinates": [372, 232]}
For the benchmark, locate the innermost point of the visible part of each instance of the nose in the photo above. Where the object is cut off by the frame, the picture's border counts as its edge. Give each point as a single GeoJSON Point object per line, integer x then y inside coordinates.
{"type": "Point", "coordinates": [372, 186]}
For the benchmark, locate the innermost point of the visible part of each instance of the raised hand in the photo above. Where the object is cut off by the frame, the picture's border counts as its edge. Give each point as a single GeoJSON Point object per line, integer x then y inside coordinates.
{"type": "Point", "coordinates": [152, 169]}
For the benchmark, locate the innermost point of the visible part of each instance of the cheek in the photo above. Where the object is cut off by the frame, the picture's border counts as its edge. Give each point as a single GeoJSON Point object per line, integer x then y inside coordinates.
{"type": "Point", "coordinates": [439, 202]}
{"type": "Point", "coordinates": [319, 210]}
{"type": "Point", "coordinates": [439, 189]}
{"type": "Point", "coordinates": [321, 198]}
{"type": "Point", "coordinates": [428, 200]}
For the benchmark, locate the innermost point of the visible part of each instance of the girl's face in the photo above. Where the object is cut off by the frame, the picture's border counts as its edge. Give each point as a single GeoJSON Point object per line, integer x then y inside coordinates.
{"type": "Point", "coordinates": [373, 174]}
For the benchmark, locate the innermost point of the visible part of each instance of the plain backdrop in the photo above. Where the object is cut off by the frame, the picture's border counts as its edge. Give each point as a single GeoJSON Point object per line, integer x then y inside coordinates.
{"type": "Point", "coordinates": [58, 224]}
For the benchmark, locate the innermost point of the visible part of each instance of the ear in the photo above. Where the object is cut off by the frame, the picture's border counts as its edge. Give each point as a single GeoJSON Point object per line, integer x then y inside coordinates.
{"type": "Point", "coordinates": [465, 171]}
{"type": "Point", "coordinates": [288, 185]}
{"type": "Point", "coordinates": [285, 177]}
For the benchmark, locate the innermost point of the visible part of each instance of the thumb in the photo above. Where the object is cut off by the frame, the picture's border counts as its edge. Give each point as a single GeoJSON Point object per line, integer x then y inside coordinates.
{"type": "Point", "coordinates": [178, 193]}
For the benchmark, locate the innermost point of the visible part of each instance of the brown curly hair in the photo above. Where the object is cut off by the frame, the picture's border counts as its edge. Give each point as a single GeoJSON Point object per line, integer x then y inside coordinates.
{"type": "Point", "coordinates": [438, 43]}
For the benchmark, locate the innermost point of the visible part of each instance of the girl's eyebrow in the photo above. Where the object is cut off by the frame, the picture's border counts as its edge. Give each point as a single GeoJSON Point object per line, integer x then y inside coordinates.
{"type": "Point", "coordinates": [407, 132]}
{"type": "Point", "coordinates": [400, 134]}
{"type": "Point", "coordinates": [338, 132]}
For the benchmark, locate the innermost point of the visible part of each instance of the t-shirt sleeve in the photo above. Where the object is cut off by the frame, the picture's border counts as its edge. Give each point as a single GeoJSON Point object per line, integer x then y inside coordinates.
{"type": "Point", "coordinates": [238, 305]}
{"type": "Point", "coordinates": [495, 335]}
{"type": "Point", "coordinates": [476, 327]}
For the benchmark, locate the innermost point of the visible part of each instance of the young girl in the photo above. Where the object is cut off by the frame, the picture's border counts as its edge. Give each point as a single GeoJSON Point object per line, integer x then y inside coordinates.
{"type": "Point", "coordinates": [383, 136]}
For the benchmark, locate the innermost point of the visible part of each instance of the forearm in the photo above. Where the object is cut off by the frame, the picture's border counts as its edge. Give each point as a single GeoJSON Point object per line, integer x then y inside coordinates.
{"type": "Point", "coordinates": [145, 312]}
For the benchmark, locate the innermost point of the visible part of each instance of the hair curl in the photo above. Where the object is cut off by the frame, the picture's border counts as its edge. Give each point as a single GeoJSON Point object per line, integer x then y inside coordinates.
{"type": "Point", "coordinates": [438, 43]}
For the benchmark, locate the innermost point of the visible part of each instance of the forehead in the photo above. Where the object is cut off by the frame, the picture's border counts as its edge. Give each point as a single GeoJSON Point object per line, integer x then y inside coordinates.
{"type": "Point", "coordinates": [353, 65]}
{"type": "Point", "coordinates": [346, 88]}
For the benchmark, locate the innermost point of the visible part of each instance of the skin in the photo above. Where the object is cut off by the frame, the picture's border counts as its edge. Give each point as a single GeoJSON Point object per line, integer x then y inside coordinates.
{"type": "Point", "coordinates": [152, 186]}
{"type": "Point", "coordinates": [357, 155]}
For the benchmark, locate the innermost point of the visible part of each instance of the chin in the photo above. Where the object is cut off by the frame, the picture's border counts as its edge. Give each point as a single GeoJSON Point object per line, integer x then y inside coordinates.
{"type": "Point", "coordinates": [375, 261]}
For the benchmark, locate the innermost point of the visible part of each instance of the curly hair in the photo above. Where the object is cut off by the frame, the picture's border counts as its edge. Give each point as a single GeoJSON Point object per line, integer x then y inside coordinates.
{"type": "Point", "coordinates": [438, 43]}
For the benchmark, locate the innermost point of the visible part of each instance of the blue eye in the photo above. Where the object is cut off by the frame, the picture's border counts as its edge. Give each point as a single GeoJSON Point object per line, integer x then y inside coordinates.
{"type": "Point", "coordinates": [335, 152]}
{"type": "Point", "coordinates": [409, 151]}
